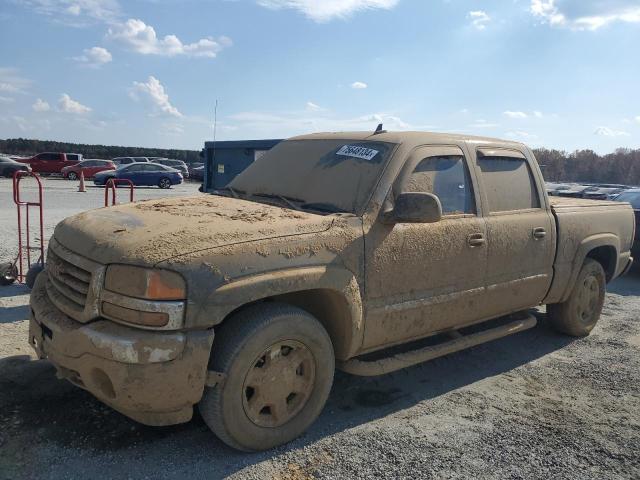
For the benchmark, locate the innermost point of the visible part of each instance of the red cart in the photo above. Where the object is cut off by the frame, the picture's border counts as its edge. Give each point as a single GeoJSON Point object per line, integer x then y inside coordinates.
{"type": "Point", "coordinates": [27, 249]}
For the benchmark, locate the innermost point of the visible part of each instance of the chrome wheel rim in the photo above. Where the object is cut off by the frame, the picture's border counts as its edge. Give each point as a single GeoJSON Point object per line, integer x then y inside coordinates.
{"type": "Point", "coordinates": [278, 384]}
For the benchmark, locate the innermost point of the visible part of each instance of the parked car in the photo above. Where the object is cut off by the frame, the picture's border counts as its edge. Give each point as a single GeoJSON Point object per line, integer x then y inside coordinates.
{"type": "Point", "coordinates": [129, 160]}
{"type": "Point", "coordinates": [632, 196]}
{"type": "Point", "coordinates": [554, 188]}
{"type": "Point", "coordinates": [88, 167]}
{"type": "Point", "coordinates": [9, 166]}
{"type": "Point", "coordinates": [197, 173]}
{"type": "Point", "coordinates": [49, 162]}
{"type": "Point", "coordinates": [602, 193]}
{"type": "Point", "coordinates": [194, 165]}
{"type": "Point", "coordinates": [142, 174]}
{"type": "Point", "coordinates": [323, 253]}
{"type": "Point", "coordinates": [177, 164]}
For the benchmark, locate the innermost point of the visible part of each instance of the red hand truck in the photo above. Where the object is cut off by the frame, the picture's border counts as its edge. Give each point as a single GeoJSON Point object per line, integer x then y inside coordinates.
{"type": "Point", "coordinates": [112, 184]}
{"type": "Point", "coordinates": [12, 271]}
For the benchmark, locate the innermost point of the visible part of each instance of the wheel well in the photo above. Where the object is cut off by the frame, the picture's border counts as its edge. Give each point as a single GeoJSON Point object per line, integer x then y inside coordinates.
{"type": "Point", "coordinates": [605, 256]}
{"type": "Point", "coordinates": [330, 308]}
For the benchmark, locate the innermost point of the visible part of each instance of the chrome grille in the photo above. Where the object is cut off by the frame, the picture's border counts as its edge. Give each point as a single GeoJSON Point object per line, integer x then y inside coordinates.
{"type": "Point", "coordinates": [71, 282]}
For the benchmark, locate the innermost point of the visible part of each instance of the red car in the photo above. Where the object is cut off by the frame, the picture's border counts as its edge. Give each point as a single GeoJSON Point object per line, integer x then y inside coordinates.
{"type": "Point", "coordinates": [88, 167]}
{"type": "Point", "coordinates": [51, 162]}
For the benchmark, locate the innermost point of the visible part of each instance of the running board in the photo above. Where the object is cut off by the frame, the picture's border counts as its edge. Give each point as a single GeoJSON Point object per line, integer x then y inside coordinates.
{"type": "Point", "coordinates": [459, 342]}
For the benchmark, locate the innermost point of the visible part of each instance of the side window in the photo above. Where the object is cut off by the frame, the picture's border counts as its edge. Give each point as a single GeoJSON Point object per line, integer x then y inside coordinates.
{"type": "Point", "coordinates": [447, 177]}
{"type": "Point", "coordinates": [73, 157]}
{"type": "Point", "coordinates": [49, 156]}
{"type": "Point", "coordinates": [508, 184]}
{"type": "Point", "coordinates": [134, 167]}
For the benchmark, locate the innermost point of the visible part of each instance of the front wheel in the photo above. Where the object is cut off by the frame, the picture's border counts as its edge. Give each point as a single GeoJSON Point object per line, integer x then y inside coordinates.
{"type": "Point", "coordinates": [578, 315]}
{"type": "Point", "coordinates": [278, 363]}
{"type": "Point", "coordinates": [164, 183]}
{"type": "Point", "coordinates": [72, 176]}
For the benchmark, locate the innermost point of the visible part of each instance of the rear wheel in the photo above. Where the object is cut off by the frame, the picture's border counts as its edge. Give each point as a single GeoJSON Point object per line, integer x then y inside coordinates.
{"type": "Point", "coordinates": [72, 176]}
{"type": "Point", "coordinates": [578, 315]}
{"type": "Point", "coordinates": [164, 183]}
{"type": "Point", "coordinates": [278, 363]}
{"type": "Point", "coordinates": [8, 273]}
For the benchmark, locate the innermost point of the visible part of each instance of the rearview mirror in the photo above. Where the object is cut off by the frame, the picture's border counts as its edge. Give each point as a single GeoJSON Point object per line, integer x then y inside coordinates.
{"type": "Point", "coordinates": [417, 207]}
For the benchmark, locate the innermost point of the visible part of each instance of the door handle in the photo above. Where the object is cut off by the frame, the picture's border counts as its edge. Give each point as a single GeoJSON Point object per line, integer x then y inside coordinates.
{"type": "Point", "coordinates": [476, 240]}
{"type": "Point", "coordinates": [539, 233]}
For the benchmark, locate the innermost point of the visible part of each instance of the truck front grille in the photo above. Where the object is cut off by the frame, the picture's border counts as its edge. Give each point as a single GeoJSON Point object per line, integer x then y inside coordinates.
{"type": "Point", "coordinates": [72, 282]}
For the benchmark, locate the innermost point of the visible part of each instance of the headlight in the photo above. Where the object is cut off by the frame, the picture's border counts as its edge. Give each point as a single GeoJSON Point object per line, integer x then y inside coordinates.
{"type": "Point", "coordinates": [146, 283]}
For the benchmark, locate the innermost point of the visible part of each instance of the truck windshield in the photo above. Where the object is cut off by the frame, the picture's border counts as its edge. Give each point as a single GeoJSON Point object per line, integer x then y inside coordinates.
{"type": "Point", "coordinates": [336, 175]}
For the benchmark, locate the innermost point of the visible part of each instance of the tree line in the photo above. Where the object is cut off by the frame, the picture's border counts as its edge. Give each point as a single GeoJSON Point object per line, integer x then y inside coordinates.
{"type": "Point", "coordinates": [29, 147]}
{"type": "Point", "coordinates": [621, 166]}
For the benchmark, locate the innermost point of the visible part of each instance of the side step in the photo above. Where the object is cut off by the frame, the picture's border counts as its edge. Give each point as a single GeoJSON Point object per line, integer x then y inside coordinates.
{"type": "Point", "coordinates": [459, 342]}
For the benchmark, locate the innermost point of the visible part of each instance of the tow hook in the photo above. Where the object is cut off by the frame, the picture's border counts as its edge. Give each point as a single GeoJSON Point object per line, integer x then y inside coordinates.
{"type": "Point", "coordinates": [214, 378]}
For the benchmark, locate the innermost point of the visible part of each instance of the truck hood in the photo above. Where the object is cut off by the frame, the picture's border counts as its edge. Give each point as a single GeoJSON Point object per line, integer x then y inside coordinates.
{"type": "Point", "coordinates": [148, 232]}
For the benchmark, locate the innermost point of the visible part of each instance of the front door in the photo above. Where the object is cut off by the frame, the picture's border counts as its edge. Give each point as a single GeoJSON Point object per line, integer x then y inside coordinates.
{"type": "Point", "coordinates": [425, 278]}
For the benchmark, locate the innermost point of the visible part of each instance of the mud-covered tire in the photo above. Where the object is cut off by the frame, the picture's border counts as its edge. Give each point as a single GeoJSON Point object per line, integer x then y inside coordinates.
{"type": "Point", "coordinates": [240, 352]}
{"type": "Point", "coordinates": [578, 315]}
{"type": "Point", "coordinates": [32, 274]}
{"type": "Point", "coordinates": [164, 183]}
{"type": "Point", "coordinates": [8, 273]}
{"type": "Point", "coordinates": [72, 176]}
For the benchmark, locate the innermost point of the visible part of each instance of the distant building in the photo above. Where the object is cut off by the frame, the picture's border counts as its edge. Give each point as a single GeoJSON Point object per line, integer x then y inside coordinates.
{"type": "Point", "coordinates": [225, 160]}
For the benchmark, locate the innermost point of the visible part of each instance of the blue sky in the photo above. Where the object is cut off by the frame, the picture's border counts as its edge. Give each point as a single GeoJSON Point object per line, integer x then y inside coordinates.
{"type": "Point", "coordinates": [555, 73]}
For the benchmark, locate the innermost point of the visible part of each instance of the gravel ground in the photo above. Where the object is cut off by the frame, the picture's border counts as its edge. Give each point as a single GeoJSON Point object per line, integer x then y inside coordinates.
{"type": "Point", "coordinates": [534, 405]}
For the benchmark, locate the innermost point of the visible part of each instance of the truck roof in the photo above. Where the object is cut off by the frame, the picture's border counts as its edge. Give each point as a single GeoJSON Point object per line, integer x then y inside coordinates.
{"type": "Point", "coordinates": [417, 138]}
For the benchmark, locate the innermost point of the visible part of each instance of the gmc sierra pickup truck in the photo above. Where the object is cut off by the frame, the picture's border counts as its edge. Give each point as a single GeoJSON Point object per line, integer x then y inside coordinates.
{"type": "Point", "coordinates": [324, 253]}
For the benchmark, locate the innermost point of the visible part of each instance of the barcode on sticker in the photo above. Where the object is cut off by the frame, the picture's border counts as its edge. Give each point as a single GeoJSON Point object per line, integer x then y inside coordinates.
{"type": "Point", "coordinates": [357, 152]}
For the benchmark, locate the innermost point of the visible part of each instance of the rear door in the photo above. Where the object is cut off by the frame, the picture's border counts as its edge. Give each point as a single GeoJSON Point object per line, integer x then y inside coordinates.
{"type": "Point", "coordinates": [521, 232]}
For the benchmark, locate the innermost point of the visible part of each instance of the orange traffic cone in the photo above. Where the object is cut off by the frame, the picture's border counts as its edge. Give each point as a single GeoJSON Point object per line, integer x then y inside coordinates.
{"type": "Point", "coordinates": [81, 187]}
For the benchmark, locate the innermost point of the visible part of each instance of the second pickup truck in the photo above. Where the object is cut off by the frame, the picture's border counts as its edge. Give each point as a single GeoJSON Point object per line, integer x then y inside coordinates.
{"type": "Point", "coordinates": [369, 252]}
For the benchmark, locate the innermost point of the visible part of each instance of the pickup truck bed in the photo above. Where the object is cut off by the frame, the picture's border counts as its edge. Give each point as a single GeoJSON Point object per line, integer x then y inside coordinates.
{"type": "Point", "coordinates": [582, 226]}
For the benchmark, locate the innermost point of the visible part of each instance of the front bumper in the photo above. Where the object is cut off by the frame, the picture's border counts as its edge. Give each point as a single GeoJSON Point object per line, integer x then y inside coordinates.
{"type": "Point", "coordinates": [154, 378]}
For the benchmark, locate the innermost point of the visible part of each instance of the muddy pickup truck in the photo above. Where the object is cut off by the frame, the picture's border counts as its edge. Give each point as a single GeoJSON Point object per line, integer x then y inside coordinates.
{"type": "Point", "coordinates": [358, 251]}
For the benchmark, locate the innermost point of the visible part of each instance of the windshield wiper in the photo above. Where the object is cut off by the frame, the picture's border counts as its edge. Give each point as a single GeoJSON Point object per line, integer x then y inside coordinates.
{"type": "Point", "coordinates": [288, 200]}
{"type": "Point", "coordinates": [322, 207]}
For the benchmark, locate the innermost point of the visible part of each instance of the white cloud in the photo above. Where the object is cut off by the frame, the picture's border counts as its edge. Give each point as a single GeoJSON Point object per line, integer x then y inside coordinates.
{"type": "Point", "coordinates": [518, 115]}
{"type": "Point", "coordinates": [68, 105]}
{"type": "Point", "coordinates": [359, 85]}
{"type": "Point", "coordinates": [326, 10]}
{"type": "Point", "coordinates": [76, 12]}
{"type": "Point", "coordinates": [520, 134]}
{"type": "Point", "coordinates": [479, 19]}
{"type": "Point", "coordinates": [638, 119]}
{"type": "Point", "coordinates": [95, 57]}
{"type": "Point", "coordinates": [285, 124]}
{"type": "Point", "coordinates": [6, 99]}
{"type": "Point", "coordinates": [480, 123]}
{"type": "Point", "coordinates": [11, 82]}
{"type": "Point", "coordinates": [538, 114]}
{"type": "Point", "coordinates": [609, 132]}
{"type": "Point", "coordinates": [40, 106]}
{"type": "Point", "coordinates": [312, 107]}
{"type": "Point", "coordinates": [585, 14]}
{"type": "Point", "coordinates": [141, 38]}
{"type": "Point", "coordinates": [153, 92]}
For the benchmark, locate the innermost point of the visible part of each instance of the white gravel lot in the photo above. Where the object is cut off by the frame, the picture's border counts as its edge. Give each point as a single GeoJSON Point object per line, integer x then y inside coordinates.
{"type": "Point", "coordinates": [534, 405]}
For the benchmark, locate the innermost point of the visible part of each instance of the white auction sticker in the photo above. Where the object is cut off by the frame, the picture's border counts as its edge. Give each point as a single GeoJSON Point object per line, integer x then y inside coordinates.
{"type": "Point", "coordinates": [357, 152]}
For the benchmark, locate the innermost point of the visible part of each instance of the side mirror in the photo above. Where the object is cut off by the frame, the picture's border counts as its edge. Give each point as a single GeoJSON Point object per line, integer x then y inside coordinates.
{"type": "Point", "coordinates": [416, 207]}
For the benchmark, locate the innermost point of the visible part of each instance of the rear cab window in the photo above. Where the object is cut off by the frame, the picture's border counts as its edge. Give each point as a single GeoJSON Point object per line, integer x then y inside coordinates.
{"type": "Point", "coordinates": [507, 179]}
